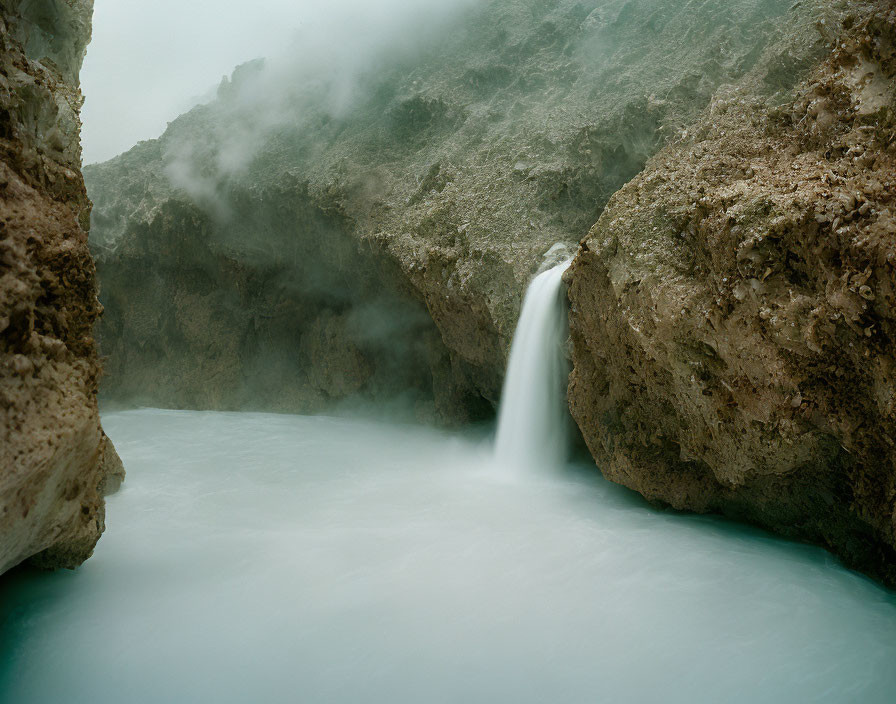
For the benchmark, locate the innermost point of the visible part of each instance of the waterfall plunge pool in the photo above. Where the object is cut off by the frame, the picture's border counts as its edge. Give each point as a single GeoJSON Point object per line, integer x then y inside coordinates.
{"type": "Point", "coordinates": [267, 558]}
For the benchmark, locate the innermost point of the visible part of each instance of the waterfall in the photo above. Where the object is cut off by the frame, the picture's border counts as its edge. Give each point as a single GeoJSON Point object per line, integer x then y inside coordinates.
{"type": "Point", "coordinates": [532, 421]}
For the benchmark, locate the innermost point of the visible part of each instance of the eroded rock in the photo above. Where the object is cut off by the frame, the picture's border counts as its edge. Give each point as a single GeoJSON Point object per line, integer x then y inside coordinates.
{"type": "Point", "coordinates": [436, 193]}
{"type": "Point", "coordinates": [51, 443]}
{"type": "Point", "coordinates": [734, 309]}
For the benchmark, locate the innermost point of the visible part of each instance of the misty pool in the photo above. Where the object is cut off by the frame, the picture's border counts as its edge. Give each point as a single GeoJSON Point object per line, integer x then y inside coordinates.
{"type": "Point", "coordinates": [266, 558]}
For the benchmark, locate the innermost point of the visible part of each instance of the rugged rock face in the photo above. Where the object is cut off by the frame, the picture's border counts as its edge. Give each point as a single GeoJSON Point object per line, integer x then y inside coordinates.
{"type": "Point", "coordinates": [52, 448]}
{"type": "Point", "coordinates": [734, 309]}
{"type": "Point", "coordinates": [280, 263]}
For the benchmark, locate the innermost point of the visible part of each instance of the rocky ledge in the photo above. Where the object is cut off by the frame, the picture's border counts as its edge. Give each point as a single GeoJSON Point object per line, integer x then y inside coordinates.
{"type": "Point", "coordinates": [54, 457]}
{"type": "Point", "coordinates": [734, 309]}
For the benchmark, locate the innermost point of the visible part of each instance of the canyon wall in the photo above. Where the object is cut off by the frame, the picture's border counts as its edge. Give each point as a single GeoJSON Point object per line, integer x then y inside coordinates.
{"type": "Point", "coordinates": [287, 253]}
{"type": "Point", "coordinates": [54, 459]}
{"type": "Point", "coordinates": [733, 311]}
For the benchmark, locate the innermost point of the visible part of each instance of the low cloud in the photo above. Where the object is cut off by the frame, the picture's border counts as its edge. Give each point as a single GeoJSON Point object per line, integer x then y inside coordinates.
{"type": "Point", "coordinates": [149, 63]}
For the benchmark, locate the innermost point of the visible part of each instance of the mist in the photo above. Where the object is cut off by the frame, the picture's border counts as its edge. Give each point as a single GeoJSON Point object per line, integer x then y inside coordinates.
{"type": "Point", "coordinates": [385, 346]}
{"type": "Point", "coordinates": [150, 62]}
{"type": "Point", "coordinates": [323, 323]}
{"type": "Point", "coordinates": [421, 155]}
{"type": "Point", "coordinates": [284, 559]}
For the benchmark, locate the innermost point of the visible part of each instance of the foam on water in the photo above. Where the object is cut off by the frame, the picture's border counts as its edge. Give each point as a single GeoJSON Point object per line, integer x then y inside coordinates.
{"type": "Point", "coordinates": [259, 558]}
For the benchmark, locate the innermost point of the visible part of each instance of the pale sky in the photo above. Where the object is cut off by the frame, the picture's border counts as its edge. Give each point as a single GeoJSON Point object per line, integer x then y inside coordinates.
{"type": "Point", "coordinates": [150, 61]}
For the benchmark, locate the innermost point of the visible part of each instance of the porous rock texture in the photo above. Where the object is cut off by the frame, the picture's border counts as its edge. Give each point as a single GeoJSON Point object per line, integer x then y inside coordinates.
{"type": "Point", "coordinates": [53, 453]}
{"type": "Point", "coordinates": [733, 311]}
{"type": "Point", "coordinates": [288, 254]}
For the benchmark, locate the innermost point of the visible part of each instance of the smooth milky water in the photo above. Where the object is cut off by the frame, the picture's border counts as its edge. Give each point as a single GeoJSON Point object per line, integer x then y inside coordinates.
{"type": "Point", "coordinates": [532, 424]}
{"type": "Point", "coordinates": [260, 558]}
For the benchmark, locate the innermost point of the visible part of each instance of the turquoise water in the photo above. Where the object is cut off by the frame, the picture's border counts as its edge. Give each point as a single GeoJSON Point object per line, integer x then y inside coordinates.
{"type": "Point", "coordinates": [259, 558]}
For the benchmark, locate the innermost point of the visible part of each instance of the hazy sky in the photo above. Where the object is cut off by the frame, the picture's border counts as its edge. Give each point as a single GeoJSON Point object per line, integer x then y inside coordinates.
{"type": "Point", "coordinates": [150, 61]}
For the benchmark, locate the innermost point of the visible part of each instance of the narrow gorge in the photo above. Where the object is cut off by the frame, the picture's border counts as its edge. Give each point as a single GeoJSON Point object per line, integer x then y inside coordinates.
{"type": "Point", "coordinates": [252, 226]}
{"type": "Point", "coordinates": [482, 350]}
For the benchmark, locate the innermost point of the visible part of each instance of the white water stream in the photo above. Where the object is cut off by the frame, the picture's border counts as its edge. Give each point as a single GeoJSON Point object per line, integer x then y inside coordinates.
{"type": "Point", "coordinates": [265, 558]}
{"type": "Point", "coordinates": [532, 423]}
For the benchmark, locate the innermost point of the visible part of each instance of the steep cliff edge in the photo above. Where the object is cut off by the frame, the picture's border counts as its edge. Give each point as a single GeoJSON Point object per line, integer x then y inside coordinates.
{"type": "Point", "coordinates": [278, 253]}
{"type": "Point", "coordinates": [734, 309]}
{"type": "Point", "coordinates": [53, 454]}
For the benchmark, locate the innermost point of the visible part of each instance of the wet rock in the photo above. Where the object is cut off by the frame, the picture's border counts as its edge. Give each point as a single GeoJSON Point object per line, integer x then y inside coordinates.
{"type": "Point", "coordinates": [112, 467]}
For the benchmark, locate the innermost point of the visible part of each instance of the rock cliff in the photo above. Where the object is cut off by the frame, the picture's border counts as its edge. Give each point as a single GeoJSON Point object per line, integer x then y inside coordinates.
{"type": "Point", "coordinates": [734, 309]}
{"type": "Point", "coordinates": [282, 262]}
{"type": "Point", "coordinates": [731, 309]}
{"type": "Point", "coordinates": [53, 454]}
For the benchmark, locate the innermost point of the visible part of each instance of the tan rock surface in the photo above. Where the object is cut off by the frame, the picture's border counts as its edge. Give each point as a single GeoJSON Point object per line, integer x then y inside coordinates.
{"type": "Point", "coordinates": [52, 449]}
{"type": "Point", "coordinates": [734, 309]}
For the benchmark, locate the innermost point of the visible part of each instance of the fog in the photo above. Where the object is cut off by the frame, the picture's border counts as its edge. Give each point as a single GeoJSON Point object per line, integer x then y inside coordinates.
{"type": "Point", "coordinates": [150, 62]}
{"type": "Point", "coordinates": [313, 294]}
{"type": "Point", "coordinates": [289, 559]}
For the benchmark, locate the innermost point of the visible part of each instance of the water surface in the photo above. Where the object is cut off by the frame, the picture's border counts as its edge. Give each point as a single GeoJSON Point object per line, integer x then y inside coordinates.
{"type": "Point", "coordinates": [261, 558]}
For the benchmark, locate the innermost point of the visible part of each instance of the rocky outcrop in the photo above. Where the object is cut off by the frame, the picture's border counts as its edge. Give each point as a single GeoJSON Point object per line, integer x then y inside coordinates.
{"type": "Point", "coordinates": [279, 254]}
{"type": "Point", "coordinates": [734, 309]}
{"type": "Point", "coordinates": [52, 448]}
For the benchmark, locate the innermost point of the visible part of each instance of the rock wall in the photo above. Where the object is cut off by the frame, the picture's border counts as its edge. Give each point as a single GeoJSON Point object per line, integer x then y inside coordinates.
{"type": "Point", "coordinates": [731, 309]}
{"type": "Point", "coordinates": [53, 454]}
{"type": "Point", "coordinates": [410, 220]}
{"type": "Point", "coordinates": [734, 309]}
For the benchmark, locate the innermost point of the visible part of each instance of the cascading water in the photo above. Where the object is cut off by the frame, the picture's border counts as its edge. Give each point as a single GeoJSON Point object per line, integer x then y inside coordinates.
{"type": "Point", "coordinates": [532, 422]}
